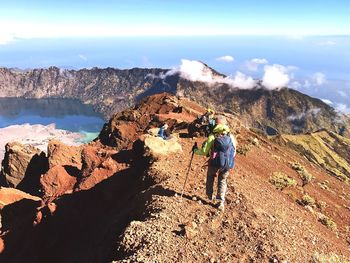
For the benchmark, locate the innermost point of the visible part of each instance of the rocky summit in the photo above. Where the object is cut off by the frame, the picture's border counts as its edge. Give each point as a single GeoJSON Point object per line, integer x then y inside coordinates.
{"type": "Point", "coordinates": [118, 199]}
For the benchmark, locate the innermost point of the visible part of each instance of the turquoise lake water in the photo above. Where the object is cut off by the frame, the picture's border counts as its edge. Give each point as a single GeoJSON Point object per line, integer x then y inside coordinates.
{"type": "Point", "coordinates": [67, 114]}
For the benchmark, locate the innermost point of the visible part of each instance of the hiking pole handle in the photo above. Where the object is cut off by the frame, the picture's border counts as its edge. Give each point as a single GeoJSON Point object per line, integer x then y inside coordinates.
{"type": "Point", "coordinates": [195, 146]}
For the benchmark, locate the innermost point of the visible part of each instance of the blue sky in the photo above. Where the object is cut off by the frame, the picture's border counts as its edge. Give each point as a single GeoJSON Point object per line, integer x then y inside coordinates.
{"type": "Point", "coordinates": [55, 19]}
{"type": "Point", "coordinates": [306, 42]}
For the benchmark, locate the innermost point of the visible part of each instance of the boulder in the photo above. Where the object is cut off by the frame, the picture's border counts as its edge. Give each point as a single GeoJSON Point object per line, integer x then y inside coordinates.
{"type": "Point", "coordinates": [93, 156]}
{"type": "Point", "coordinates": [157, 147]}
{"type": "Point", "coordinates": [61, 154]}
{"type": "Point", "coordinates": [153, 131]}
{"type": "Point", "coordinates": [22, 166]}
{"type": "Point", "coordinates": [56, 182]}
{"type": "Point", "coordinates": [105, 170]}
{"type": "Point", "coordinates": [10, 195]}
{"type": "Point", "coordinates": [16, 208]}
{"type": "Point", "coordinates": [98, 165]}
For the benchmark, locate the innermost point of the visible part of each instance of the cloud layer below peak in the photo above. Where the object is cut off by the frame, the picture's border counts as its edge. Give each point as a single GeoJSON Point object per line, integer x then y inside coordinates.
{"type": "Point", "coordinates": [275, 76]}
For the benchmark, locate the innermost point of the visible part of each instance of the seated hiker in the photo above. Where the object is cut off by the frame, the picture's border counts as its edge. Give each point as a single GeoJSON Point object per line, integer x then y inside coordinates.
{"type": "Point", "coordinates": [164, 132]}
{"type": "Point", "coordinates": [221, 147]}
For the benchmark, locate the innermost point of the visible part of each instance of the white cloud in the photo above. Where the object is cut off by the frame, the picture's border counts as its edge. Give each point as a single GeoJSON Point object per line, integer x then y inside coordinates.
{"type": "Point", "coordinates": [253, 64]}
{"type": "Point", "coordinates": [327, 101]}
{"type": "Point", "coordinates": [312, 112]}
{"type": "Point", "coordinates": [196, 71]}
{"type": "Point", "coordinates": [83, 57]}
{"type": "Point", "coordinates": [342, 108]}
{"type": "Point", "coordinates": [327, 43]}
{"type": "Point", "coordinates": [259, 60]}
{"type": "Point", "coordinates": [226, 59]}
{"type": "Point", "coordinates": [242, 81]}
{"type": "Point", "coordinates": [275, 76]}
{"type": "Point", "coordinates": [319, 78]}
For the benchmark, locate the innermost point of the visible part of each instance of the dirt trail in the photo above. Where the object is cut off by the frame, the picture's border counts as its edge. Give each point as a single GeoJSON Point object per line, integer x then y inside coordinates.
{"type": "Point", "coordinates": [136, 214]}
{"type": "Point", "coordinates": [260, 223]}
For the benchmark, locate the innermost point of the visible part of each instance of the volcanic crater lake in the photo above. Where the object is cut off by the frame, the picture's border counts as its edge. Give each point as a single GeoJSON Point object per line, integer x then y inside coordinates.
{"type": "Point", "coordinates": [66, 114]}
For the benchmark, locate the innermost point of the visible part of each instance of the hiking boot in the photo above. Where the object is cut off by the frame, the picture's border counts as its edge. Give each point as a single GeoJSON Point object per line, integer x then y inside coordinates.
{"type": "Point", "coordinates": [221, 206]}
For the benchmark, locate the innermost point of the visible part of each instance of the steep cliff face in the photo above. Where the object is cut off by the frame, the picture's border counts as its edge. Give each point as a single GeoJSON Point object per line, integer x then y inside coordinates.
{"type": "Point", "coordinates": [112, 90]}
{"type": "Point", "coordinates": [109, 90]}
{"type": "Point", "coordinates": [273, 111]}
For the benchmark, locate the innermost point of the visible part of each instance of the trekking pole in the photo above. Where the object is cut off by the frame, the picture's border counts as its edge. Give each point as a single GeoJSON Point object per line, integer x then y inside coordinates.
{"type": "Point", "coordinates": [188, 170]}
{"type": "Point", "coordinates": [201, 166]}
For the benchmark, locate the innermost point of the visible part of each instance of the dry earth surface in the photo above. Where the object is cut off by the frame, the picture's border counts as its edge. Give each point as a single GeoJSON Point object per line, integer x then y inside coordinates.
{"type": "Point", "coordinates": [120, 200]}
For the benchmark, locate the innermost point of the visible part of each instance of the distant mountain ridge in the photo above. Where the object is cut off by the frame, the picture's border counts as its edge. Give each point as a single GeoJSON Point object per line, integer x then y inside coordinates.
{"type": "Point", "coordinates": [108, 90]}
{"type": "Point", "coordinates": [111, 90]}
{"type": "Point", "coordinates": [273, 111]}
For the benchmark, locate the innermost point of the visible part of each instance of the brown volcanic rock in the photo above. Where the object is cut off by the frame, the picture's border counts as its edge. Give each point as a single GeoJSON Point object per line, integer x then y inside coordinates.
{"type": "Point", "coordinates": [16, 161]}
{"type": "Point", "coordinates": [22, 166]}
{"type": "Point", "coordinates": [10, 195]}
{"type": "Point", "coordinates": [98, 165]}
{"type": "Point", "coordinates": [105, 170]}
{"type": "Point", "coordinates": [17, 208]}
{"type": "Point", "coordinates": [62, 154]}
{"type": "Point", "coordinates": [125, 127]}
{"type": "Point", "coordinates": [92, 157]}
{"type": "Point", "coordinates": [17, 215]}
{"type": "Point", "coordinates": [56, 182]}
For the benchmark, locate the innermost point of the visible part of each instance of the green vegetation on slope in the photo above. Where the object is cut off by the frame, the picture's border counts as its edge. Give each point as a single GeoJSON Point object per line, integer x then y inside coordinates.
{"type": "Point", "coordinates": [326, 149]}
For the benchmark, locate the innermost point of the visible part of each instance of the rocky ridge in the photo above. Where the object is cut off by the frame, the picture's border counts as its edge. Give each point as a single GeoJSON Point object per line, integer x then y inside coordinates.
{"type": "Point", "coordinates": [117, 199]}
{"type": "Point", "coordinates": [110, 90]}
{"type": "Point", "coordinates": [283, 111]}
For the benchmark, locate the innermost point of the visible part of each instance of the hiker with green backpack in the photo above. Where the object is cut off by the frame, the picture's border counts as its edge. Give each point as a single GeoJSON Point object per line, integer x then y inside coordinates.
{"type": "Point", "coordinates": [221, 148]}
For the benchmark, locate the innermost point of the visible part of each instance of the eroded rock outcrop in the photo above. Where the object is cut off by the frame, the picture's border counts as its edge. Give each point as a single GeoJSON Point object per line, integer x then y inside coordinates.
{"type": "Point", "coordinates": [22, 166]}
{"type": "Point", "coordinates": [61, 154]}
{"type": "Point", "coordinates": [56, 182]}
{"type": "Point", "coordinates": [125, 127]}
{"type": "Point", "coordinates": [17, 209]}
{"type": "Point", "coordinates": [98, 165]}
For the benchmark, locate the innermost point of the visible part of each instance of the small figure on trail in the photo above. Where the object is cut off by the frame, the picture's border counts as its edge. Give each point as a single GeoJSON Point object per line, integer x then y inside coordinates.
{"type": "Point", "coordinates": [221, 147]}
{"type": "Point", "coordinates": [164, 132]}
{"type": "Point", "coordinates": [207, 117]}
{"type": "Point", "coordinates": [207, 121]}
